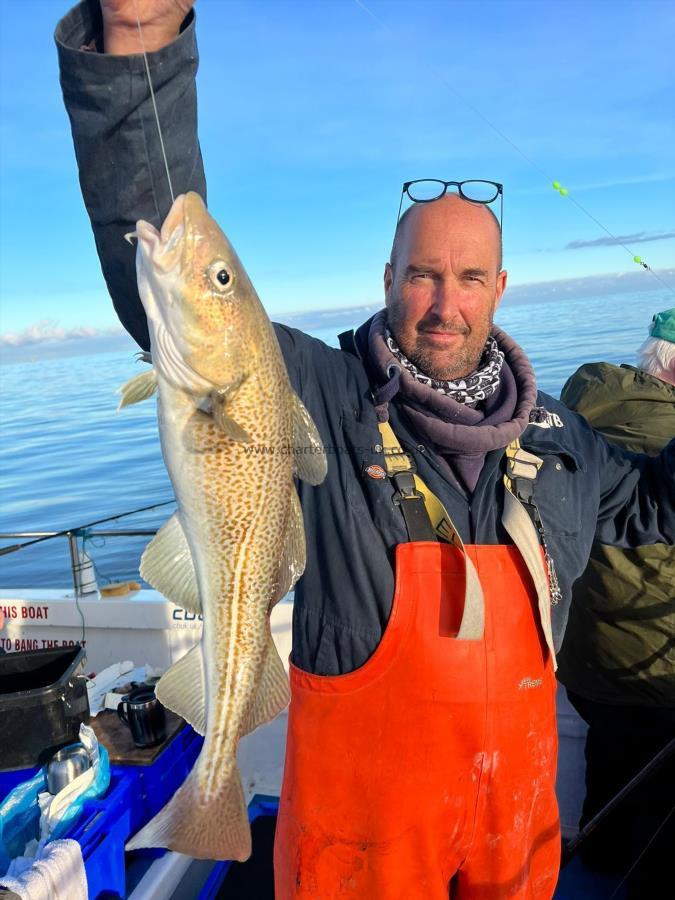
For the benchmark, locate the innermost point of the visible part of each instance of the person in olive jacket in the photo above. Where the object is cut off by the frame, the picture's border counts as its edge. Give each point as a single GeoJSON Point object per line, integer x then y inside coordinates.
{"type": "Point", "coordinates": [618, 657]}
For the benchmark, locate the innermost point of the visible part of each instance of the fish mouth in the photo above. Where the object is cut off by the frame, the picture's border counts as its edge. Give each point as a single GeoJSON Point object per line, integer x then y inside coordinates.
{"type": "Point", "coordinates": [161, 247]}
{"type": "Point", "coordinates": [160, 258]}
{"type": "Point", "coordinates": [174, 219]}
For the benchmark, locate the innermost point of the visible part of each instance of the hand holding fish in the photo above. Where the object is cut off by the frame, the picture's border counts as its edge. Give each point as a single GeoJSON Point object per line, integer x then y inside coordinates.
{"type": "Point", "coordinates": [160, 21]}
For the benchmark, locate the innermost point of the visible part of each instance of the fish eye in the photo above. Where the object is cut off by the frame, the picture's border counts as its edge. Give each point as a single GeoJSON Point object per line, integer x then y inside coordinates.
{"type": "Point", "coordinates": [219, 275]}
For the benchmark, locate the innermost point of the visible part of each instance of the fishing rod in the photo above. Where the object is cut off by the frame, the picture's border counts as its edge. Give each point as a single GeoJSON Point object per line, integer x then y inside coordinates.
{"type": "Point", "coordinates": [66, 531]}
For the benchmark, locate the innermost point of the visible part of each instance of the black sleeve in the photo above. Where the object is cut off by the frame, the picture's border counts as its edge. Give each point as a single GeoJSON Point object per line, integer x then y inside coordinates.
{"type": "Point", "coordinates": [306, 357]}
{"type": "Point", "coordinates": [121, 167]}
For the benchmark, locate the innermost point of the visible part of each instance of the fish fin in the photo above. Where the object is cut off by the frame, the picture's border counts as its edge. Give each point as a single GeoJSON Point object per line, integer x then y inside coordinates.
{"type": "Point", "coordinates": [293, 559]}
{"type": "Point", "coordinates": [219, 401]}
{"type": "Point", "coordinates": [273, 693]}
{"type": "Point", "coordinates": [228, 426]}
{"type": "Point", "coordinates": [182, 689]}
{"type": "Point", "coordinates": [310, 458]}
{"type": "Point", "coordinates": [138, 388]}
{"type": "Point", "coordinates": [167, 565]}
{"type": "Point", "coordinates": [213, 827]}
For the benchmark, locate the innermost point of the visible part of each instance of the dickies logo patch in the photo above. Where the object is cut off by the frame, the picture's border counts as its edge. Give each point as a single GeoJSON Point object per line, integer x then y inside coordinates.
{"type": "Point", "coordinates": [375, 471]}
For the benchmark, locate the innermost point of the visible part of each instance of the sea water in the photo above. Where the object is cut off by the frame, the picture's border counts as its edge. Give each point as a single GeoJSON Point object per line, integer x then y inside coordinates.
{"type": "Point", "coordinates": [68, 458]}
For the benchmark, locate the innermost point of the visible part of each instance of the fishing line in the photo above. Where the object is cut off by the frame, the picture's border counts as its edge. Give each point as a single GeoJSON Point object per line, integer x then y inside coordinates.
{"type": "Point", "coordinates": [555, 184]}
{"type": "Point", "coordinates": [154, 104]}
{"type": "Point", "coordinates": [649, 843]}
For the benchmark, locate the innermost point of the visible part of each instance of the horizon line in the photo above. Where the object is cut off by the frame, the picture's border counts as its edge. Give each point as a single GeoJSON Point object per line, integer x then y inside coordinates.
{"type": "Point", "coordinates": [28, 342]}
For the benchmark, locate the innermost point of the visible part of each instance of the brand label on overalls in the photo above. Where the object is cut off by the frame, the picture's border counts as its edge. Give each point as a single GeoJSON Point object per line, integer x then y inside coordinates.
{"type": "Point", "coordinates": [375, 471]}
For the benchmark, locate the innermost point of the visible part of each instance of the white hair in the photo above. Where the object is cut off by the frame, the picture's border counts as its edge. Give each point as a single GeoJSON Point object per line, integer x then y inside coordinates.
{"type": "Point", "coordinates": [657, 358]}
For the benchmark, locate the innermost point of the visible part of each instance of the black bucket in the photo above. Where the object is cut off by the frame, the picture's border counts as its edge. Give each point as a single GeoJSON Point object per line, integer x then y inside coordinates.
{"type": "Point", "coordinates": [43, 702]}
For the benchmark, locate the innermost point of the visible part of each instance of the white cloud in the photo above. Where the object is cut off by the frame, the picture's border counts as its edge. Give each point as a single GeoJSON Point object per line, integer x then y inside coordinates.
{"type": "Point", "coordinates": [640, 237]}
{"type": "Point", "coordinates": [48, 331]}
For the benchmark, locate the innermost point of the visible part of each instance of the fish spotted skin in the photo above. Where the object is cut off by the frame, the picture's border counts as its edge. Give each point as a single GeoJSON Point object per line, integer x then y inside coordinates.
{"type": "Point", "coordinates": [222, 387]}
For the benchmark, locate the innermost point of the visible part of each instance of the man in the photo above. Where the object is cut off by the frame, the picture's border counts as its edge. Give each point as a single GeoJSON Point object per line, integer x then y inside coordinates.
{"type": "Point", "coordinates": [618, 659]}
{"type": "Point", "coordinates": [421, 748]}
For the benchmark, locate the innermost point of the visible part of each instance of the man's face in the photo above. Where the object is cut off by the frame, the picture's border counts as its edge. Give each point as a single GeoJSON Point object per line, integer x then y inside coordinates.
{"type": "Point", "coordinates": [443, 290]}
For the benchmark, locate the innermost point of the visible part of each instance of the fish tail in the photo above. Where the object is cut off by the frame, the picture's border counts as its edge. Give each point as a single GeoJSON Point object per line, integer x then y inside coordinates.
{"type": "Point", "coordinates": [215, 828]}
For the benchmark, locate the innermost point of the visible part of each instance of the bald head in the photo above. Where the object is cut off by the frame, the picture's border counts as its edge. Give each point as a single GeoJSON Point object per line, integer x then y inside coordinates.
{"type": "Point", "coordinates": [443, 284]}
{"type": "Point", "coordinates": [454, 209]}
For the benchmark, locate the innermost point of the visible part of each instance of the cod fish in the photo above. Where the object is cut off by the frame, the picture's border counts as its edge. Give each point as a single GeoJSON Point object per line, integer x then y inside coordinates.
{"type": "Point", "coordinates": [236, 544]}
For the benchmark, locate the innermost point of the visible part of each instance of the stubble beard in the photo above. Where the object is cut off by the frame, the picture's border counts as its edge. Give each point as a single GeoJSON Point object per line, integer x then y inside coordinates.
{"type": "Point", "coordinates": [435, 363]}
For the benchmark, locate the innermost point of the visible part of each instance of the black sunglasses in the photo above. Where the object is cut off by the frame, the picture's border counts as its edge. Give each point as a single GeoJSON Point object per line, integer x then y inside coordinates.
{"type": "Point", "coordinates": [425, 190]}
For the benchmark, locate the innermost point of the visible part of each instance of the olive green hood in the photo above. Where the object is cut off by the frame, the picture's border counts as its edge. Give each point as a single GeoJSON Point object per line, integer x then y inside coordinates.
{"type": "Point", "coordinates": [631, 408]}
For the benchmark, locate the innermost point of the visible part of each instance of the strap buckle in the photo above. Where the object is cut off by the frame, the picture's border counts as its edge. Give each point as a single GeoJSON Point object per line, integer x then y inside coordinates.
{"type": "Point", "coordinates": [397, 461]}
{"type": "Point", "coordinates": [522, 470]}
{"type": "Point", "coordinates": [406, 490]}
{"type": "Point", "coordinates": [523, 491]}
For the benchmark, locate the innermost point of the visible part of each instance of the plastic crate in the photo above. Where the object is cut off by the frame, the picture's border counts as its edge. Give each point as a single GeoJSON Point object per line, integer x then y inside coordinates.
{"type": "Point", "coordinates": [260, 805]}
{"type": "Point", "coordinates": [101, 831]}
{"type": "Point", "coordinates": [159, 781]}
{"type": "Point", "coordinates": [135, 795]}
{"type": "Point", "coordinates": [9, 780]}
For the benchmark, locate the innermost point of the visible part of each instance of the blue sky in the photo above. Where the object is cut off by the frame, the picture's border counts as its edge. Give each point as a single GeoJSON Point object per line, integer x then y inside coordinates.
{"type": "Point", "coordinates": [312, 114]}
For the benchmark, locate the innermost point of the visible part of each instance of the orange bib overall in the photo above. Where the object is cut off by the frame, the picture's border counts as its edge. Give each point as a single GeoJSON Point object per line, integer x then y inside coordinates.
{"type": "Point", "coordinates": [429, 772]}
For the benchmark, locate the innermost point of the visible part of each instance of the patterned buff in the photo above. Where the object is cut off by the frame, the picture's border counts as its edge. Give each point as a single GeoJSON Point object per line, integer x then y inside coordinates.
{"type": "Point", "coordinates": [480, 384]}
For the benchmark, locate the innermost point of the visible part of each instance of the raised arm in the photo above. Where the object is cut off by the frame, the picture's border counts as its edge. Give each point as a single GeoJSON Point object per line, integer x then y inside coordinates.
{"type": "Point", "coordinates": [119, 156]}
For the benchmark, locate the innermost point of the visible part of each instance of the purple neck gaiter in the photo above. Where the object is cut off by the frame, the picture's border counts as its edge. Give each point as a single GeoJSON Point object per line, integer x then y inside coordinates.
{"type": "Point", "coordinates": [461, 434]}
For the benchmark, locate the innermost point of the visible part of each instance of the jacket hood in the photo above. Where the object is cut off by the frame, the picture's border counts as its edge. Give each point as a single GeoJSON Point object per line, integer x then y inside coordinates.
{"type": "Point", "coordinates": [631, 408]}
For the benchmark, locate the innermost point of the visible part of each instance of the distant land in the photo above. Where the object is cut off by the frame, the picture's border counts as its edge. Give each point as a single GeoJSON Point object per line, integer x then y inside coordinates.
{"type": "Point", "coordinates": [46, 341]}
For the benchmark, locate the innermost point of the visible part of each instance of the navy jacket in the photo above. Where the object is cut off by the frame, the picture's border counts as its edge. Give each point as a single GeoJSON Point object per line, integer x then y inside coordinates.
{"type": "Point", "coordinates": [586, 488]}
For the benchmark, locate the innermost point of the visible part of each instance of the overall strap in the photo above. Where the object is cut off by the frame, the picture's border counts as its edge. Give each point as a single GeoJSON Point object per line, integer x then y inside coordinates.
{"type": "Point", "coordinates": [522, 521]}
{"type": "Point", "coordinates": [427, 519]}
{"type": "Point", "coordinates": [426, 516]}
{"type": "Point", "coordinates": [522, 469]}
{"type": "Point", "coordinates": [401, 470]}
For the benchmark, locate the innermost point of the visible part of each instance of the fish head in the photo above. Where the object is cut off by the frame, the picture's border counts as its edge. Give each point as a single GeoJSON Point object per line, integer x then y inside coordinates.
{"type": "Point", "coordinates": [200, 304]}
